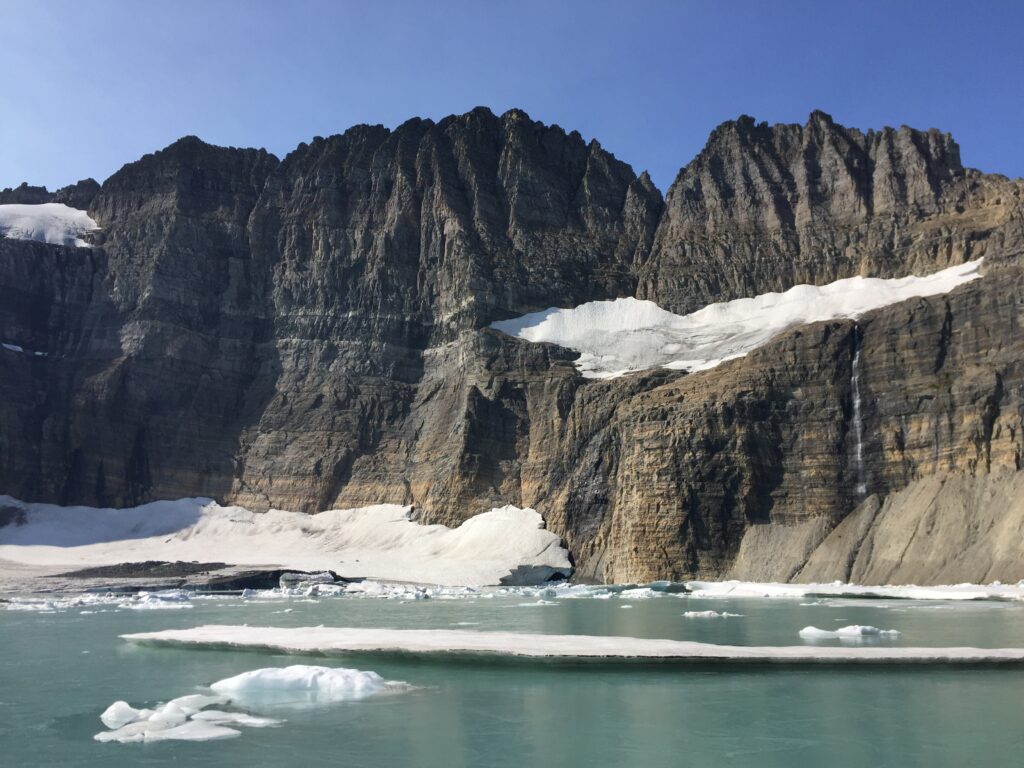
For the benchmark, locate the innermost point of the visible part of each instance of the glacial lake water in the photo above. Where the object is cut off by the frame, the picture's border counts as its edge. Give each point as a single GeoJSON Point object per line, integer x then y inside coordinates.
{"type": "Point", "coordinates": [59, 671]}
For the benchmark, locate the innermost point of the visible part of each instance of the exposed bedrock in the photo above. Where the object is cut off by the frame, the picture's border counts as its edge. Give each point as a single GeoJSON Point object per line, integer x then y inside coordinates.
{"type": "Point", "coordinates": [765, 207]}
{"type": "Point", "coordinates": [311, 332]}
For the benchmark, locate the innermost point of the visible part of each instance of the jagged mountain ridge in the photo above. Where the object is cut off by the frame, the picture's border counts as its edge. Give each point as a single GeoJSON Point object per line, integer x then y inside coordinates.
{"type": "Point", "coordinates": [311, 332]}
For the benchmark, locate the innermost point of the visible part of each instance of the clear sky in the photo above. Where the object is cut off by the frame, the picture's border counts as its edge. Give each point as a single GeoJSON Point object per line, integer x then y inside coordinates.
{"type": "Point", "coordinates": [86, 86]}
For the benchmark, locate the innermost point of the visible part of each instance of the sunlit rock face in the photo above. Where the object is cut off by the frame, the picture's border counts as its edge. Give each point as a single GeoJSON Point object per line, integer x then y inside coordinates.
{"type": "Point", "coordinates": [313, 332]}
{"type": "Point", "coordinates": [766, 207]}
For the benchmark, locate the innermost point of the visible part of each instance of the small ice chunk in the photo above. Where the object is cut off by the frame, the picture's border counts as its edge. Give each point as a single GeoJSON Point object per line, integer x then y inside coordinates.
{"type": "Point", "coordinates": [639, 593]}
{"type": "Point", "coordinates": [192, 730]}
{"type": "Point", "coordinates": [121, 713]}
{"type": "Point", "coordinates": [710, 615]}
{"type": "Point", "coordinates": [239, 718]}
{"type": "Point", "coordinates": [853, 631]}
{"type": "Point", "coordinates": [194, 702]}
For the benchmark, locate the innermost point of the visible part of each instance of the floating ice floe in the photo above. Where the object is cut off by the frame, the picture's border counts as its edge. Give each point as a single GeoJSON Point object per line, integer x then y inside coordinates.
{"type": "Point", "coordinates": [711, 615]}
{"type": "Point", "coordinates": [202, 717]}
{"type": "Point", "coordinates": [380, 541]}
{"type": "Point", "coordinates": [449, 642]}
{"type": "Point", "coordinates": [624, 335]}
{"type": "Point", "coordinates": [182, 719]}
{"type": "Point", "coordinates": [53, 223]}
{"type": "Point", "coordinates": [730, 589]}
{"type": "Point", "coordinates": [172, 598]}
{"type": "Point", "coordinates": [852, 632]}
{"type": "Point", "coordinates": [639, 593]}
{"type": "Point", "coordinates": [298, 590]}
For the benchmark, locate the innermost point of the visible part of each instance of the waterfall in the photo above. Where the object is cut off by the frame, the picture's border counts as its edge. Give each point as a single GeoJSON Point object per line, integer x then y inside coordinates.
{"type": "Point", "coordinates": [858, 423]}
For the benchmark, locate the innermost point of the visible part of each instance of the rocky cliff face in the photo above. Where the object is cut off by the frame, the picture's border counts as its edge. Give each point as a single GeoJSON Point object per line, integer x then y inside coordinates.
{"type": "Point", "coordinates": [312, 332]}
{"type": "Point", "coordinates": [763, 208]}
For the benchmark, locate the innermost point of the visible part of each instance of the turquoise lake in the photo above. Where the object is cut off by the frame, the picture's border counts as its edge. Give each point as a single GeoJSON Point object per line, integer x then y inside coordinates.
{"type": "Point", "coordinates": [60, 670]}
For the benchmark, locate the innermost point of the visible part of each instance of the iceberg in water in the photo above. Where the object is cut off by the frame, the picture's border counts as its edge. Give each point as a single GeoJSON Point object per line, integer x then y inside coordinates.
{"type": "Point", "coordinates": [624, 335]}
{"type": "Point", "coordinates": [301, 684]}
{"type": "Point", "coordinates": [201, 717]}
{"type": "Point", "coordinates": [53, 223]}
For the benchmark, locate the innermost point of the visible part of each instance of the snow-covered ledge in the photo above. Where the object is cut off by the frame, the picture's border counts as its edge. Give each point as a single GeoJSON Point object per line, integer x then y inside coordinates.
{"type": "Point", "coordinates": [624, 335]}
{"type": "Point", "coordinates": [53, 223]}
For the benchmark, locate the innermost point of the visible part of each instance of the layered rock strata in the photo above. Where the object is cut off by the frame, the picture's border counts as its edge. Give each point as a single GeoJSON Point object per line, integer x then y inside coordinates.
{"type": "Point", "coordinates": [311, 332]}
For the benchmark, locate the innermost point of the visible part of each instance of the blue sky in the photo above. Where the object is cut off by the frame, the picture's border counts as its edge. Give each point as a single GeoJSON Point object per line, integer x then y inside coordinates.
{"type": "Point", "coordinates": [88, 86]}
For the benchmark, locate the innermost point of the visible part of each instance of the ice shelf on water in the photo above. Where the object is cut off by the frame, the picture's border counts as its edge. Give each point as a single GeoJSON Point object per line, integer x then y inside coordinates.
{"type": "Point", "coordinates": [204, 717]}
{"type": "Point", "coordinates": [379, 541]}
{"type": "Point", "coordinates": [447, 642]}
{"type": "Point", "coordinates": [300, 684]}
{"type": "Point", "coordinates": [623, 335]}
{"type": "Point", "coordinates": [53, 223]}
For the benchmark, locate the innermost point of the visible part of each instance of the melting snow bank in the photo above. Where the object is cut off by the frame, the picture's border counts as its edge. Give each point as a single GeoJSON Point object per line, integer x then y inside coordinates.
{"type": "Point", "coordinates": [379, 541]}
{"type": "Point", "coordinates": [53, 223]}
{"type": "Point", "coordinates": [190, 718]}
{"type": "Point", "coordinates": [616, 337]}
{"type": "Point", "coordinates": [326, 640]}
{"type": "Point", "coordinates": [994, 591]}
{"type": "Point", "coordinates": [852, 632]}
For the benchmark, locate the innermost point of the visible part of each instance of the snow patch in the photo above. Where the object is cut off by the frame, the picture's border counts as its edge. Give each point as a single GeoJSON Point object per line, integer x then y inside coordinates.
{"type": "Point", "coordinates": [22, 351]}
{"type": "Point", "coordinates": [53, 223]}
{"type": "Point", "coordinates": [379, 541]}
{"type": "Point", "coordinates": [624, 335]}
{"type": "Point", "coordinates": [330, 640]}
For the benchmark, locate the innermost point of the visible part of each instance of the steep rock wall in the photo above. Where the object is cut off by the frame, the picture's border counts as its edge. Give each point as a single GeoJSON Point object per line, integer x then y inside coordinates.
{"type": "Point", "coordinates": [311, 332]}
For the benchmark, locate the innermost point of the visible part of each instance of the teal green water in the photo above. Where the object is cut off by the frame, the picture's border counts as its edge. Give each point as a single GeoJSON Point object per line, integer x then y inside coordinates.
{"type": "Point", "coordinates": [59, 671]}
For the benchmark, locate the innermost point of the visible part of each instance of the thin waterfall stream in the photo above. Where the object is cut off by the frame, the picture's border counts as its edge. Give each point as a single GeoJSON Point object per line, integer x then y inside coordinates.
{"type": "Point", "coordinates": [858, 422]}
